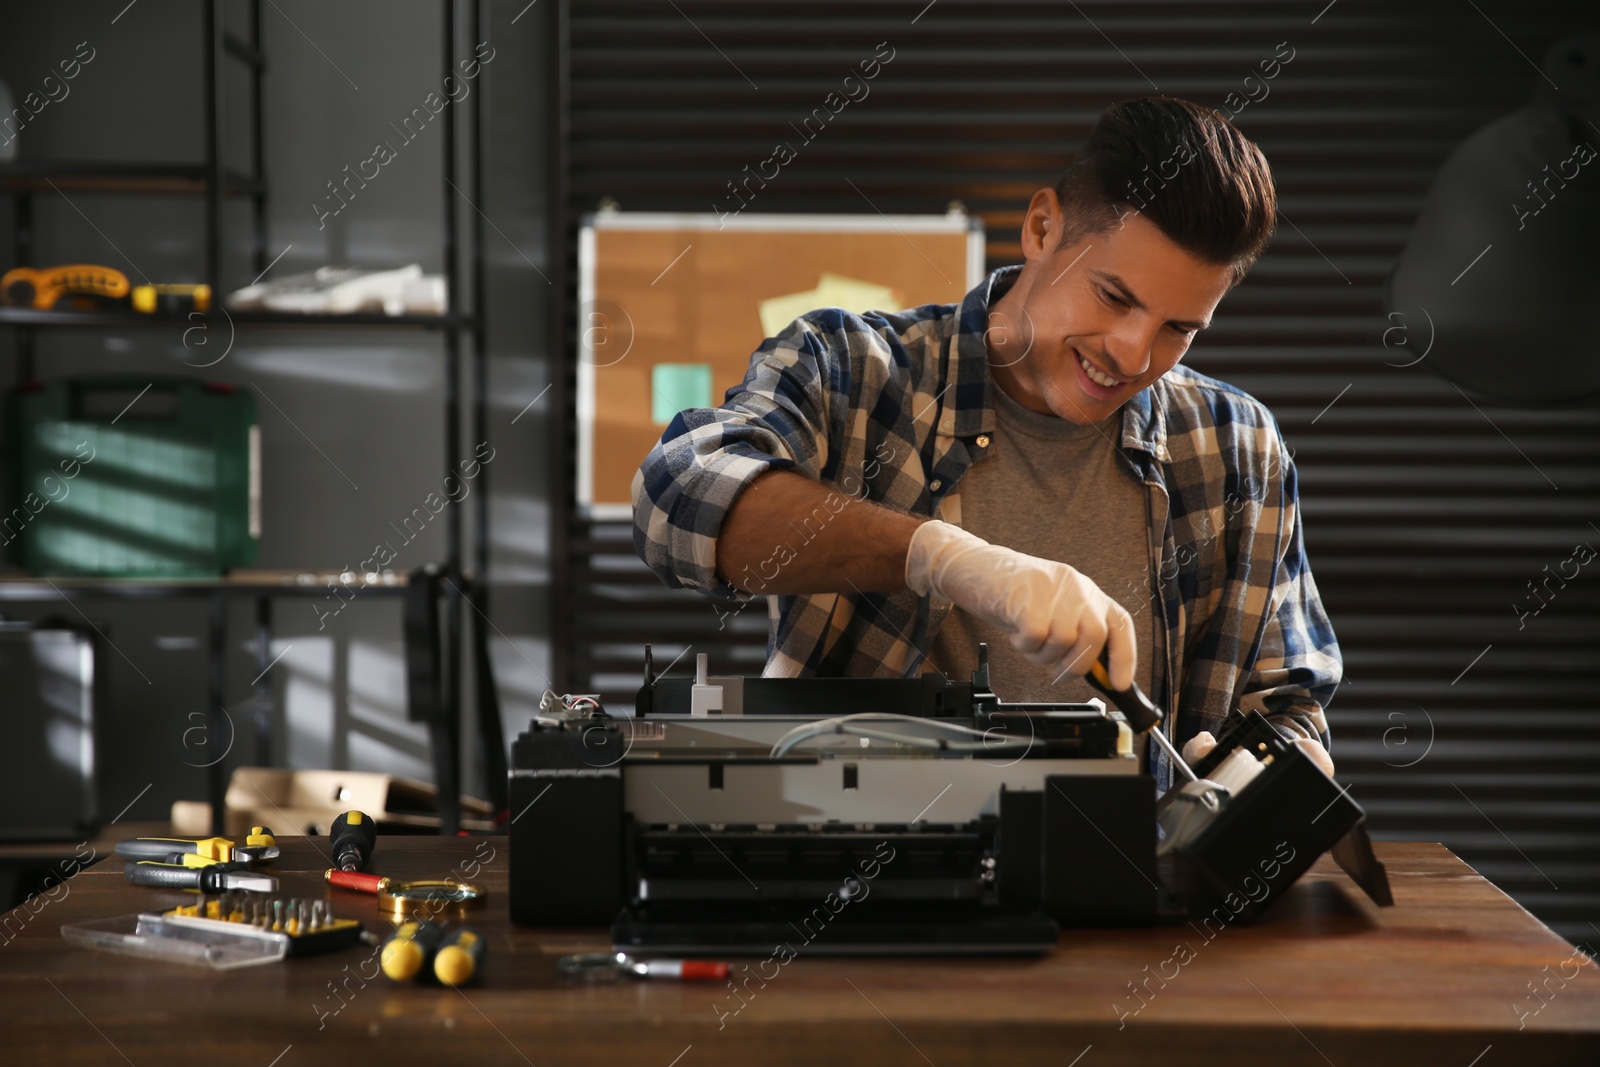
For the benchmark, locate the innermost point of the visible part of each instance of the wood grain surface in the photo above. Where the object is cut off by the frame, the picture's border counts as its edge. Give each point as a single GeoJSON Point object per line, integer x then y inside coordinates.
{"type": "Point", "coordinates": [1446, 976]}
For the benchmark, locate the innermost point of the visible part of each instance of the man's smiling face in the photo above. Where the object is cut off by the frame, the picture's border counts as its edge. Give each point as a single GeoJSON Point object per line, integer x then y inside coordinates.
{"type": "Point", "coordinates": [1089, 325]}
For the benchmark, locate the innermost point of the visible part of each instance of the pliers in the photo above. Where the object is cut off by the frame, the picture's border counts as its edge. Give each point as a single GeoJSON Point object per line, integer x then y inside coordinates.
{"type": "Point", "coordinates": [213, 878]}
{"type": "Point", "coordinates": [201, 852]}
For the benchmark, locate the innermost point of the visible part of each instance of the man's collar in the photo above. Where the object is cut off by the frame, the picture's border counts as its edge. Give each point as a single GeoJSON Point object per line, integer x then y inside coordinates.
{"type": "Point", "coordinates": [971, 410]}
{"type": "Point", "coordinates": [1142, 426]}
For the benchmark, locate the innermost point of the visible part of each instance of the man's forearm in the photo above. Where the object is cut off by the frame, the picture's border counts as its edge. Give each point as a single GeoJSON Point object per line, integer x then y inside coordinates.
{"type": "Point", "coordinates": [788, 534]}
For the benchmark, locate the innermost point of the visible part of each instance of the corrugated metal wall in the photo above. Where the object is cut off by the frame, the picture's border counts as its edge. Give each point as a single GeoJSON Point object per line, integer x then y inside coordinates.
{"type": "Point", "coordinates": [1426, 514]}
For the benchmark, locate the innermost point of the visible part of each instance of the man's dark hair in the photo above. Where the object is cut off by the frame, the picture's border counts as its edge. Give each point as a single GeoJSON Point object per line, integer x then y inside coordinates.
{"type": "Point", "coordinates": [1185, 168]}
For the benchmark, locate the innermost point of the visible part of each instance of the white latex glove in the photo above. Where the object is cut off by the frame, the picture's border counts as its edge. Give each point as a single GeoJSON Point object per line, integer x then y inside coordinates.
{"type": "Point", "coordinates": [1196, 747]}
{"type": "Point", "coordinates": [1052, 614]}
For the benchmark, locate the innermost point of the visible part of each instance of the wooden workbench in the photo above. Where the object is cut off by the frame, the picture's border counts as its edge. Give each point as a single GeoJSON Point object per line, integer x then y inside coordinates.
{"type": "Point", "coordinates": [1324, 978]}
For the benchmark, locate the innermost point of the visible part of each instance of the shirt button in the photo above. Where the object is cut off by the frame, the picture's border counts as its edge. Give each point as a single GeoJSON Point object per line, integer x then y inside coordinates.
{"type": "Point", "coordinates": [935, 485]}
{"type": "Point", "coordinates": [983, 440]}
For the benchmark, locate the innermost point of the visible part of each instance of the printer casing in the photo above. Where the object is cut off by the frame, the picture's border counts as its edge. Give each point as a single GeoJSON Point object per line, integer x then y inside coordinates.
{"type": "Point", "coordinates": [683, 834]}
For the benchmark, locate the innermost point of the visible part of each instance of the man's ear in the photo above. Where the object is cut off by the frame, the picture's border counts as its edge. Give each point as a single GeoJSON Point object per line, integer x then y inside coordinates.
{"type": "Point", "coordinates": [1041, 225]}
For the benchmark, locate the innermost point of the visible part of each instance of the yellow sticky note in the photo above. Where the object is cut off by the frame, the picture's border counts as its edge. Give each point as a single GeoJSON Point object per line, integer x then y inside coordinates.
{"type": "Point", "coordinates": [854, 295]}
{"type": "Point", "coordinates": [833, 290]}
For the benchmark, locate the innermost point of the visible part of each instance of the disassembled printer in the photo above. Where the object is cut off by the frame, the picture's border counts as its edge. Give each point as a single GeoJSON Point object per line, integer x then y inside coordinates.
{"type": "Point", "coordinates": [900, 816]}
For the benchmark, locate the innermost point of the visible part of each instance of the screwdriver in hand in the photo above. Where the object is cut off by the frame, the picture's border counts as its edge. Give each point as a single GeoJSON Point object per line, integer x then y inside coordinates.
{"type": "Point", "coordinates": [1141, 714]}
{"type": "Point", "coordinates": [351, 840]}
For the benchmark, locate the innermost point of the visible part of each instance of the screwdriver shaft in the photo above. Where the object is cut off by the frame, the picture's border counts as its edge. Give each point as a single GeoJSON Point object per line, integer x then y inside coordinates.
{"type": "Point", "coordinates": [1172, 753]}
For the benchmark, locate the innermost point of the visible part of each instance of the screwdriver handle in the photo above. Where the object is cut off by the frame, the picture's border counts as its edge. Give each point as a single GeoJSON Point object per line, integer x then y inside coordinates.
{"type": "Point", "coordinates": [1134, 705]}
{"type": "Point", "coordinates": [459, 958]}
{"type": "Point", "coordinates": [684, 970]}
{"type": "Point", "coordinates": [409, 952]}
{"type": "Point", "coordinates": [356, 881]}
{"type": "Point", "coordinates": [351, 840]}
{"type": "Point", "coordinates": [1137, 709]}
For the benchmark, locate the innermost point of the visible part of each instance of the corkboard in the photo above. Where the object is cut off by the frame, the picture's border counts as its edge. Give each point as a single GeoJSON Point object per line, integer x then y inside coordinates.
{"type": "Point", "coordinates": [675, 289]}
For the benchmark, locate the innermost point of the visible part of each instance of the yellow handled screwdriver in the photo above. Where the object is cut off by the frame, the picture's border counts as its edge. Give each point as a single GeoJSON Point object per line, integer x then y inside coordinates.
{"type": "Point", "coordinates": [410, 950]}
{"type": "Point", "coordinates": [459, 959]}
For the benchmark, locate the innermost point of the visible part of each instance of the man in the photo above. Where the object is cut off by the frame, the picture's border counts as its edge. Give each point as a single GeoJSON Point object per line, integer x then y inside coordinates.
{"type": "Point", "coordinates": [1030, 467]}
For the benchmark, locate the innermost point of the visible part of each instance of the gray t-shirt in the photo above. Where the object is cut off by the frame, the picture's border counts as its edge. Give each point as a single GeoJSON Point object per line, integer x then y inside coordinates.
{"type": "Point", "coordinates": [1054, 489]}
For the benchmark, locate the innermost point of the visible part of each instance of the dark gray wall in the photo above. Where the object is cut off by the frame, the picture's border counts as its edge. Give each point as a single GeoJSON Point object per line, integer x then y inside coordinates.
{"type": "Point", "coordinates": [352, 421]}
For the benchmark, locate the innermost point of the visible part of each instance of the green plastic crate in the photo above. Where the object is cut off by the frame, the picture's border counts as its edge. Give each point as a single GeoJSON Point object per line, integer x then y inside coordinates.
{"type": "Point", "coordinates": [106, 477]}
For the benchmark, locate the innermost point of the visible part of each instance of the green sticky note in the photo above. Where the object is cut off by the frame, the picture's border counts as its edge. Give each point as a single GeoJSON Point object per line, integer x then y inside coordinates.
{"type": "Point", "coordinates": [676, 386]}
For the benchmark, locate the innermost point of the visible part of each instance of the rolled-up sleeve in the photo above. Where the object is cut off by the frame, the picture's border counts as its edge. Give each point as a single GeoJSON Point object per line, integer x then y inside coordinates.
{"type": "Point", "coordinates": [777, 418]}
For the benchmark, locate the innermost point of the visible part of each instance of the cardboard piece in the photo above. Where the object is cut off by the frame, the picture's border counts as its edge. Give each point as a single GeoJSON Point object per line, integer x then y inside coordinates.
{"type": "Point", "coordinates": [305, 802]}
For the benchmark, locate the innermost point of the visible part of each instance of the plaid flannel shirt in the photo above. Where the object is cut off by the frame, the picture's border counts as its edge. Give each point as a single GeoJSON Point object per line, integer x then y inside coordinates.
{"type": "Point", "coordinates": [894, 408]}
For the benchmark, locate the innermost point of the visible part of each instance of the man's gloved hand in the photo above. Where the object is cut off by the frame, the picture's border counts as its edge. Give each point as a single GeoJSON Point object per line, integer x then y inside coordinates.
{"type": "Point", "coordinates": [1053, 615]}
{"type": "Point", "coordinates": [1319, 755]}
{"type": "Point", "coordinates": [1196, 747]}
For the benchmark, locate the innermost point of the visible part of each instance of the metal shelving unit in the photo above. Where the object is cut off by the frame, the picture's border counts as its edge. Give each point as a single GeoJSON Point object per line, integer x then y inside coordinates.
{"type": "Point", "coordinates": [211, 178]}
{"type": "Point", "coordinates": [132, 320]}
{"type": "Point", "coordinates": [95, 177]}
